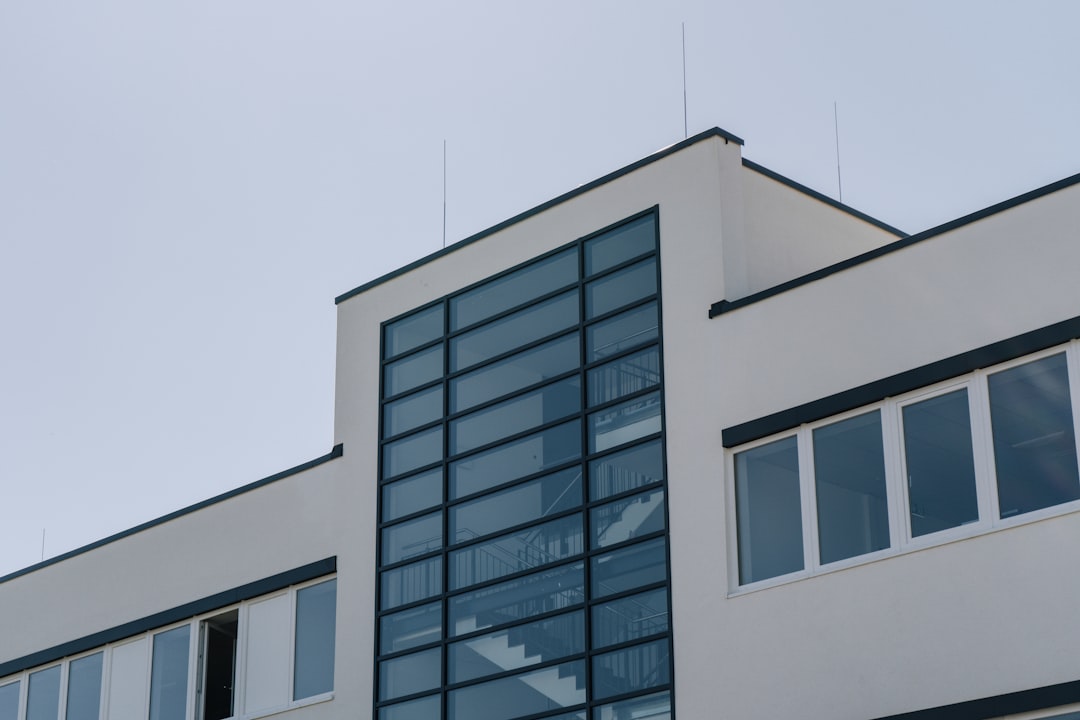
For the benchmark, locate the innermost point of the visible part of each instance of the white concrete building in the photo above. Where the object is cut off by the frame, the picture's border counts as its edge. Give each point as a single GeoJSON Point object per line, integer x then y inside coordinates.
{"type": "Point", "coordinates": [691, 440]}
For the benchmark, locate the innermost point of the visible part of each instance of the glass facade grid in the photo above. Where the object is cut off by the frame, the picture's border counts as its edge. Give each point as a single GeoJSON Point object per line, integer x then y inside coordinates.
{"type": "Point", "coordinates": [488, 631]}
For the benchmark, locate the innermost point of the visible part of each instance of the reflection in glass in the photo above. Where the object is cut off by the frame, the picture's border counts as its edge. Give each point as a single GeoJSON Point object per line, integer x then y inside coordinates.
{"type": "Point", "coordinates": [516, 647]}
{"type": "Point", "coordinates": [517, 599]}
{"type": "Point", "coordinates": [517, 288]}
{"type": "Point", "coordinates": [532, 409]}
{"type": "Point", "coordinates": [849, 473]}
{"type": "Point", "coordinates": [620, 288]}
{"type": "Point", "coordinates": [43, 694]}
{"type": "Point", "coordinates": [768, 511]}
{"type": "Point", "coordinates": [84, 688]}
{"type": "Point", "coordinates": [1034, 439]}
{"type": "Point", "coordinates": [9, 701]}
{"type": "Point", "coordinates": [624, 242]}
{"type": "Point", "coordinates": [412, 538]}
{"type": "Point", "coordinates": [630, 618]}
{"type": "Point", "coordinates": [515, 373]}
{"type": "Point", "coordinates": [940, 464]}
{"type": "Point", "coordinates": [632, 420]}
{"type": "Point", "coordinates": [410, 495]}
{"type": "Point", "coordinates": [413, 331]}
{"type": "Point", "coordinates": [634, 668]}
{"type": "Point", "coordinates": [410, 628]}
{"type": "Point", "coordinates": [520, 695]}
{"type": "Point", "coordinates": [622, 332]}
{"type": "Point", "coordinates": [411, 583]}
{"type": "Point", "coordinates": [628, 568]}
{"type": "Point", "coordinates": [523, 327]}
{"type": "Point", "coordinates": [650, 707]}
{"type": "Point", "coordinates": [413, 411]}
{"type": "Point", "coordinates": [516, 552]}
{"type": "Point", "coordinates": [627, 375]}
{"type": "Point", "coordinates": [427, 708]}
{"type": "Point", "coordinates": [626, 470]}
{"type": "Point", "coordinates": [514, 460]}
{"type": "Point", "coordinates": [410, 674]}
{"type": "Point", "coordinates": [169, 674]}
{"type": "Point", "coordinates": [313, 656]}
{"type": "Point", "coordinates": [523, 503]}
{"type": "Point", "coordinates": [413, 371]}
{"type": "Point", "coordinates": [628, 518]}
{"type": "Point", "coordinates": [412, 452]}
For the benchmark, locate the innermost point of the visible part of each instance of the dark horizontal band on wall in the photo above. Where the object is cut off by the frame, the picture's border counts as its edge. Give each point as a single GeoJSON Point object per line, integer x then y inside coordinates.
{"type": "Point", "coordinates": [726, 306]}
{"type": "Point", "coordinates": [336, 452]}
{"type": "Point", "coordinates": [904, 382]}
{"type": "Point", "coordinates": [693, 140]}
{"type": "Point", "coordinates": [1042, 698]}
{"type": "Point", "coordinates": [176, 614]}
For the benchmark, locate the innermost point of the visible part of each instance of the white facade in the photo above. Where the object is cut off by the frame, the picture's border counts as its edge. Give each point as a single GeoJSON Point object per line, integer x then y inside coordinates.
{"type": "Point", "coordinates": [979, 615]}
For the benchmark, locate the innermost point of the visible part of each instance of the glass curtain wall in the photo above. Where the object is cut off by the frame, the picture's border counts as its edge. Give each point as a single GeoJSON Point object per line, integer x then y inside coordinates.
{"type": "Point", "coordinates": [523, 566]}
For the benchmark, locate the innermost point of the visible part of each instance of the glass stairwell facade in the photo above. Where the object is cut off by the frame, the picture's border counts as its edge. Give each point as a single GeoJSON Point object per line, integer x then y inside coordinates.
{"type": "Point", "coordinates": [523, 562]}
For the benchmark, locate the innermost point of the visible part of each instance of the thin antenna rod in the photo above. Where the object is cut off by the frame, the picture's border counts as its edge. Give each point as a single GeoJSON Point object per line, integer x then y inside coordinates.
{"type": "Point", "coordinates": [685, 125]}
{"type": "Point", "coordinates": [444, 192]}
{"type": "Point", "coordinates": [42, 544]}
{"type": "Point", "coordinates": [836, 130]}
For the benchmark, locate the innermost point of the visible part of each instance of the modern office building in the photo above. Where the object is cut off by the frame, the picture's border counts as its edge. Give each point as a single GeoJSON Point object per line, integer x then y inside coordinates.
{"type": "Point", "coordinates": [690, 441]}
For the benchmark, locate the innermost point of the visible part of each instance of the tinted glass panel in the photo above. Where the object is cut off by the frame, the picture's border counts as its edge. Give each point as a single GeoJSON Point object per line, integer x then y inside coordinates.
{"type": "Point", "coordinates": [939, 463]}
{"type": "Point", "coordinates": [517, 647]}
{"type": "Point", "coordinates": [849, 472]}
{"type": "Point", "coordinates": [415, 451]}
{"type": "Point", "coordinates": [514, 373]}
{"type": "Point", "coordinates": [84, 688]}
{"type": "Point", "coordinates": [169, 674]}
{"type": "Point", "coordinates": [650, 707]}
{"type": "Point", "coordinates": [620, 288]}
{"type": "Point", "coordinates": [627, 519]}
{"type": "Point", "coordinates": [410, 495]}
{"type": "Point", "coordinates": [626, 470]}
{"type": "Point", "coordinates": [410, 628]}
{"type": "Point", "coordinates": [410, 674]}
{"type": "Point", "coordinates": [413, 331]}
{"type": "Point", "coordinates": [514, 289]}
{"type": "Point", "coordinates": [313, 658]}
{"type": "Point", "coordinates": [622, 332]}
{"type": "Point", "coordinates": [768, 511]}
{"type": "Point", "coordinates": [625, 242]}
{"type": "Point", "coordinates": [516, 459]}
{"type": "Point", "coordinates": [1034, 442]}
{"type": "Point", "coordinates": [413, 371]}
{"type": "Point", "coordinates": [514, 697]}
{"type": "Point", "coordinates": [411, 583]}
{"type": "Point", "coordinates": [521, 328]}
{"type": "Point", "coordinates": [535, 408]}
{"type": "Point", "coordinates": [624, 423]}
{"type": "Point", "coordinates": [630, 618]}
{"type": "Point", "coordinates": [518, 599]}
{"type": "Point", "coordinates": [533, 500]}
{"type": "Point", "coordinates": [635, 668]}
{"type": "Point", "coordinates": [524, 550]}
{"type": "Point", "coordinates": [412, 538]}
{"type": "Point", "coordinates": [428, 708]}
{"type": "Point", "coordinates": [43, 695]}
{"type": "Point", "coordinates": [631, 567]}
{"type": "Point", "coordinates": [9, 701]}
{"type": "Point", "coordinates": [624, 376]}
{"type": "Point", "coordinates": [413, 411]}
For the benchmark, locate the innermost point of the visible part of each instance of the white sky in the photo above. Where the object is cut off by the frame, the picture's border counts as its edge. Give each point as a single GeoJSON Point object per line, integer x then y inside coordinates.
{"type": "Point", "coordinates": [185, 186]}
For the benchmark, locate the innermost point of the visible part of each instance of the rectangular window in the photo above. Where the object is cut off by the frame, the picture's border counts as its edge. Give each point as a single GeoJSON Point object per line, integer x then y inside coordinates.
{"type": "Point", "coordinates": [516, 648]}
{"type": "Point", "coordinates": [635, 566]}
{"type": "Point", "coordinates": [625, 242]}
{"type": "Point", "coordinates": [412, 539]}
{"type": "Point", "coordinates": [84, 688]}
{"type": "Point", "coordinates": [9, 701]}
{"type": "Point", "coordinates": [413, 494]}
{"type": "Point", "coordinates": [519, 414]}
{"type": "Point", "coordinates": [129, 676]}
{"type": "Point", "coordinates": [633, 668]}
{"type": "Point", "coordinates": [622, 424]}
{"type": "Point", "coordinates": [524, 550]}
{"type": "Point", "coordinates": [517, 288]}
{"type": "Point", "coordinates": [412, 453]}
{"type": "Point", "coordinates": [650, 707]}
{"type": "Point", "coordinates": [412, 411]}
{"type": "Point", "coordinates": [533, 500]}
{"type": "Point", "coordinates": [313, 653]}
{"type": "Point", "coordinates": [169, 674]}
{"type": "Point", "coordinates": [411, 583]}
{"type": "Point", "coordinates": [416, 370]}
{"type": "Point", "coordinates": [518, 599]}
{"type": "Point", "coordinates": [620, 288]}
{"type": "Point", "coordinates": [627, 518]}
{"type": "Point", "coordinates": [768, 511]}
{"type": "Point", "coordinates": [266, 680]}
{"type": "Point", "coordinates": [626, 470]}
{"type": "Point", "coordinates": [517, 372]}
{"type": "Point", "coordinates": [622, 332]}
{"type": "Point", "coordinates": [410, 674]}
{"type": "Point", "coordinates": [630, 618]}
{"type": "Point", "coordinates": [218, 640]}
{"type": "Point", "coordinates": [428, 708]}
{"type": "Point", "coordinates": [43, 694]}
{"type": "Point", "coordinates": [517, 696]}
{"type": "Point", "coordinates": [412, 332]}
{"type": "Point", "coordinates": [515, 460]}
{"type": "Point", "coordinates": [525, 326]}
{"type": "Point", "coordinates": [625, 376]}
{"type": "Point", "coordinates": [410, 628]}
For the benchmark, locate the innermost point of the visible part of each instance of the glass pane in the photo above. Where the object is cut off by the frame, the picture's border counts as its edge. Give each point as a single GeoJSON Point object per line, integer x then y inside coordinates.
{"type": "Point", "coordinates": [518, 599]}
{"type": "Point", "coordinates": [410, 495]}
{"type": "Point", "coordinates": [523, 550]}
{"type": "Point", "coordinates": [412, 538]}
{"type": "Point", "coordinates": [849, 472]}
{"type": "Point", "coordinates": [625, 470]}
{"type": "Point", "coordinates": [635, 668]}
{"type": "Point", "coordinates": [940, 464]}
{"type": "Point", "coordinates": [521, 328]}
{"type": "Point", "coordinates": [628, 568]}
{"type": "Point", "coordinates": [413, 331]}
{"type": "Point", "coordinates": [410, 674]}
{"type": "Point", "coordinates": [517, 647]}
{"type": "Point", "coordinates": [620, 288]}
{"type": "Point", "coordinates": [516, 459]}
{"type": "Point", "coordinates": [516, 415]}
{"type": "Point", "coordinates": [413, 371]}
{"type": "Point", "coordinates": [768, 511]}
{"type": "Point", "coordinates": [316, 614]}
{"type": "Point", "coordinates": [169, 674]}
{"type": "Point", "coordinates": [413, 411]}
{"type": "Point", "coordinates": [624, 376]}
{"type": "Point", "coordinates": [514, 373]}
{"type": "Point", "coordinates": [428, 708]}
{"type": "Point", "coordinates": [624, 242]}
{"type": "Point", "coordinates": [410, 628]}
{"type": "Point", "coordinates": [626, 519]}
{"type": "Point", "coordinates": [630, 618]}
{"type": "Point", "coordinates": [625, 423]}
{"type": "Point", "coordinates": [622, 332]}
{"type": "Point", "coordinates": [43, 695]}
{"type": "Point", "coordinates": [221, 634]}
{"type": "Point", "coordinates": [533, 500]}
{"type": "Point", "coordinates": [415, 451]}
{"type": "Point", "coordinates": [1034, 445]}
{"type": "Point", "coordinates": [517, 288]}
{"type": "Point", "coordinates": [650, 707]}
{"type": "Point", "coordinates": [9, 701]}
{"type": "Point", "coordinates": [526, 694]}
{"type": "Point", "coordinates": [84, 688]}
{"type": "Point", "coordinates": [411, 583]}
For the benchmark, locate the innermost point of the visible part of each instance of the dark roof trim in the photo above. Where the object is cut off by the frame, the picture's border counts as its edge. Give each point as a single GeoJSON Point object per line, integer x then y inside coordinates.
{"type": "Point", "coordinates": [336, 452]}
{"type": "Point", "coordinates": [1050, 696]}
{"type": "Point", "coordinates": [176, 614]}
{"type": "Point", "coordinates": [823, 198]}
{"type": "Point", "coordinates": [725, 306]}
{"type": "Point", "coordinates": [693, 140]}
{"type": "Point", "coordinates": [901, 383]}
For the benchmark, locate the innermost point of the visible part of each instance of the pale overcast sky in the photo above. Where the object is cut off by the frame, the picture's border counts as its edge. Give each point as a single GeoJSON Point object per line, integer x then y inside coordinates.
{"type": "Point", "coordinates": [185, 186]}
